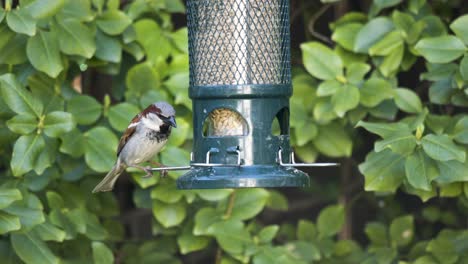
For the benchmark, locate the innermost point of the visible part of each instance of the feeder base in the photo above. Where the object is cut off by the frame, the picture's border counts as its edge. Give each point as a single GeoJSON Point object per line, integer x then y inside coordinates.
{"type": "Point", "coordinates": [242, 177]}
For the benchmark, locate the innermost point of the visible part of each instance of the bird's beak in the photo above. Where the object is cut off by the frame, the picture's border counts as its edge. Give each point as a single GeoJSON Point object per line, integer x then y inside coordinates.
{"type": "Point", "coordinates": [171, 121]}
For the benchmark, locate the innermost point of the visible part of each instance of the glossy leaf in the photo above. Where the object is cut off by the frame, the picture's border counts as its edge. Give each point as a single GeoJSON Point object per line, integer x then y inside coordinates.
{"type": "Point", "coordinates": [371, 33]}
{"type": "Point", "coordinates": [408, 101]}
{"type": "Point", "coordinates": [84, 115]}
{"type": "Point", "coordinates": [101, 253]}
{"type": "Point", "coordinates": [384, 130]}
{"type": "Point", "coordinates": [330, 220]}
{"type": "Point", "coordinates": [401, 142]}
{"type": "Point", "coordinates": [113, 22]}
{"type": "Point", "coordinates": [58, 123]}
{"type": "Point", "coordinates": [383, 171]}
{"type": "Point", "coordinates": [75, 38]}
{"type": "Point", "coordinates": [452, 171]}
{"type": "Point", "coordinates": [401, 230]}
{"type": "Point", "coordinates": [8, 196]}
{"type": "Point", "coordinates": [49, 232]}
{"type": "Point", "coordinates": [441, 49]}
{"type": "Point", "coordinates": [441, 147]}
{"type": "Point", "coordinates": [459, 27]}
{"type": "Point", "coordinates": [345, 35]}
{"type": "Point", "coordinates": [231, 235]}
{"type": "Point", "coordinates": [268, 233]}
{"type": "Point", "coordinates": [345, 98]}
{"type": "Point", "coordinates": [43, 53]}
{"type": "Point", "coordinates": [26, 152]}
{"type": "Point", "coordinates": [17, 97]}
{"type": "Point", "coordinates": [169, 214]}
{"type": "Point", "coordinates": [32, 250]}
{"type": "Point", "coordinates": [108, 48]}
{"type": "Point", "coordinates": [8, 223]}
{"type": "Point", "coordinates": [461, 130]}
{"type": "Point", "coordinates": [45, 8]}
{"type": "Point", "coordinates": [189, 243]}
{"type": "Point", "coordinates": [374, 91]}
{"type": "Point", "coordinates": [333, 141]}
{"type": "Point", "coordinates": [73, 143]}
{"type": "Point", "coordinates": [22, 124]}
{"type": "Point", "coordinates": [21, 21]}
{"type": "Point", "coordinates": [321, 62]}
{"type": "Point", "coordinates": [100, 151]}
{"type": "Point", "coordinates": [247, 203]}
{"type": "Point", "coordinates": [420, 170]}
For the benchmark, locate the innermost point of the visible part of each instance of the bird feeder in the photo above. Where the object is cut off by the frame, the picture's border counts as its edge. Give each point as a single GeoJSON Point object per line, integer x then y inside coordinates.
{"type": "Point", "coordinates": [240, 84]}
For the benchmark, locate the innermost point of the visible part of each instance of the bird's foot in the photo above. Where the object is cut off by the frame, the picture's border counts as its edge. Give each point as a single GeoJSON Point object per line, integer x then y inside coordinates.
{"type": "Point", "coordinates": [163, 173]}
{"type": "Point", "coordinates": [149, 172]}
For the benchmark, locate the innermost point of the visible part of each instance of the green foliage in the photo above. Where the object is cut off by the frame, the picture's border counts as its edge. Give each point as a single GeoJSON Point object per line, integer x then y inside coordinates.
{"type": "Point", "coordinates": [59, 134]}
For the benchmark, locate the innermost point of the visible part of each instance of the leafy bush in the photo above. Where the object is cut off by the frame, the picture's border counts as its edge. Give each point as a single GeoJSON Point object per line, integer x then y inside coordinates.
{"type": "Point", "coordinates": [59, 133]}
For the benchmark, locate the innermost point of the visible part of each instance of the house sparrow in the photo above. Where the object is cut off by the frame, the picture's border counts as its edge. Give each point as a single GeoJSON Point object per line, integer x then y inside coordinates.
{"type": "Point", "coordinates": [145, 136]}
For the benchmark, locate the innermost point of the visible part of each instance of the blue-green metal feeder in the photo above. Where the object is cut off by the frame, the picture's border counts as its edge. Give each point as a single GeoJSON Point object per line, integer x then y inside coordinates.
{"type": "Point", "coordinates": [240, 84]}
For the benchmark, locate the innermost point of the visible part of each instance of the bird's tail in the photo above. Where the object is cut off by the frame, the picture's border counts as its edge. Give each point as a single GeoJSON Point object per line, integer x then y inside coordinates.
{"type": "Point", "coordinates": [107, 184]}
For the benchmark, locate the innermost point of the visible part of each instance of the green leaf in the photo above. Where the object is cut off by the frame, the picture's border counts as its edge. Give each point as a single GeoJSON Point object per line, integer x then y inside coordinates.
{"type": "Point", "coordinates": [403, 22]}
{"type": "Point", "coordinates": [459, 27]}
{"type": "Point", "coordinates": [461, 130]}
{"type": "Point", "coordinates": [180, 39]}
{"type": "Point", "coordinates": [2, 14]}
{"type": "Point", "coordinates": [330, 220]}
{"type": "Point", "coordinates": [420, 170]}
{"type": "Point", "coordinates": [121, 114]}
{"type": "Point", "coordinates": [101, 253]}
{"type": "Point", "coordinates": [75, 38]}
{"type": "Point", "coordinates": [189, 243]}
{"type": "Point", "coordinates": [142, 78]}
{"type": "Point", "coordinates": [113, 22]}
{"type": "Point", "coordinates": [58, 123]}
{"type": "Point", "coordinates": [214, 194]}
{"type": "Point", "coordinates": [8, 223]}
{"type": "Point", "coordinates": [180, 135]}
{"type": "Point", "coordinates": [277, 201]}
{"type": "Point", "coordinates": [452, 171]}
{"type": "Point", "coordinates": [267, 233]}
{"type": "Point", "coordinates": [45, 8]}
{"type": "Point", "coordinates": [377, 234]}
{"type": "Point", "coordinates": [392, 62]}
{"type": "Point", "coordinates": [80, 10]}
{"type": "Point", "coordinates": [320, 61]}
{"type": "Point", "coordinates": [32, 250]}
{"type": "Point", "coordinates": [345, 99]}
{"type": "Point", "coordinates": [401, 142]}
{"type": "Point", "coordinates": [43, 53]}
{"type": "Point", "coordinates": [345, 35]}
{"type": "Point", "coordinates": [22, 124]}
{"type": "Point", "coordinates": [306, 230]}
{"type": "Point", "coordinates": [17, 97]}
{"type": "Point", "coordinates": [73, 143]}
{"type": "Point", "coordinates": [167, 192]}
{"type": "Point", "coordinates": [305, 133]}
{"type": "Point", "coordinates": [387, 3]}
{"type": "Point", "coordinates": [153, 39]}
{"type": "Point", "coordinates": [49, 232]}
{"type": "Point", "coordinates": [14, 51]}
{"type": "Point", "coordinates": [464, 68]}
{"type": "Point", "coordinates": [383, 171]}
{"type": "Point", "coordinates": [101, 144]}
{"type": "Point", "coordinates": [441, 49]}
{"type": "Point", "coordinates": [26, 152]}
{"type": "Point", "coordinates": [8, 196]}
{"type": "Point", "coordinates": [204, 218]}
{"type": "Point", "coordinates": [21, 21]}
{"type": "Point", "coordinates": [408, 101]}
{"type": "Point", "coordinates": [441, 147]}
{"type": "Point", "coordinates": [333, 141]}
{"type": "Point", "coordinates": [328, 87]}
{"type": "Point", "coordinates": [451, 190]}
{"type": "Point", "coordinates": [172, 156]}
{"type": "Point", "coordinates": [371, 33]}
{"type": "Point", "coordinates": [247, 203]}
{"type": "Point", "coordinates": [387, 44]}
{"type": "Point", "coordinates": [231, 235]}
{"type": "Point", "coordinates": [402, 230]}
{"type": "Point", "coordinates": [178, 85]}
{"type": "Point", "coordinates": [84, 115]}
{"type": "Point", "coordinates": [169, 215]}
{"type": "Point", "coordinates": [356, 71]}
{"type": "Point", "coordinates": [54, 200]}
{"type": "Point", "coordinates": [384, 130]}
{"type": "Point", "coordinates": [374, 91]}
{"type": "Point", "coordinates": [108, 48]}
{"type": "Point", "coordinates": [29, 210]}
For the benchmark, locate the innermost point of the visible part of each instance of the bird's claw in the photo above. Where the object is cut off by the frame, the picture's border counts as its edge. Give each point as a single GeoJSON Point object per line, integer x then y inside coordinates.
{"type": "Point", "coordinates": [163, 173]}
{"type": "Point", "coordinates": [149, 172]}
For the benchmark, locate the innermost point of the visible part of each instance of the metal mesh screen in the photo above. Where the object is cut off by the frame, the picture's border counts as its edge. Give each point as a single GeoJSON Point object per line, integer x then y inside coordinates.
{"type": "Point", "coordinates": [235, 42]}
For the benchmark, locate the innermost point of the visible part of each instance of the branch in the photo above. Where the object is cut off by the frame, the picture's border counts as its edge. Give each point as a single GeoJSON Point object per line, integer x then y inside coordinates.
{"type": "Point", "coordinates": [314, 19]}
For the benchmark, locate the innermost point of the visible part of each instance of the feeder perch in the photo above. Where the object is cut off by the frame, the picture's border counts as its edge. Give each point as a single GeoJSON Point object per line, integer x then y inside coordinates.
{"type": "Point", "coordinates": [240, 84]}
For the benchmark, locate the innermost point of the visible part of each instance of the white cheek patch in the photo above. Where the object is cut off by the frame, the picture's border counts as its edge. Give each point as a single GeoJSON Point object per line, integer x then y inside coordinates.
{"type": "Point", "coordinates": [152, 122]}
{"type": "Point", "coordinates": [133, 125]}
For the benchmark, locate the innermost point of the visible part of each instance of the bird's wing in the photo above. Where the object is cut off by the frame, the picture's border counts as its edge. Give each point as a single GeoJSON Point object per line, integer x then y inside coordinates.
{"type": "Point", "coordinates": [128, 133]}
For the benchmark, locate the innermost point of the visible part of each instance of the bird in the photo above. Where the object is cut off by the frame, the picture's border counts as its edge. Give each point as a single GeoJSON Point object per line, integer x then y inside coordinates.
{"type": "Point", "coordinates": [144, 137]}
